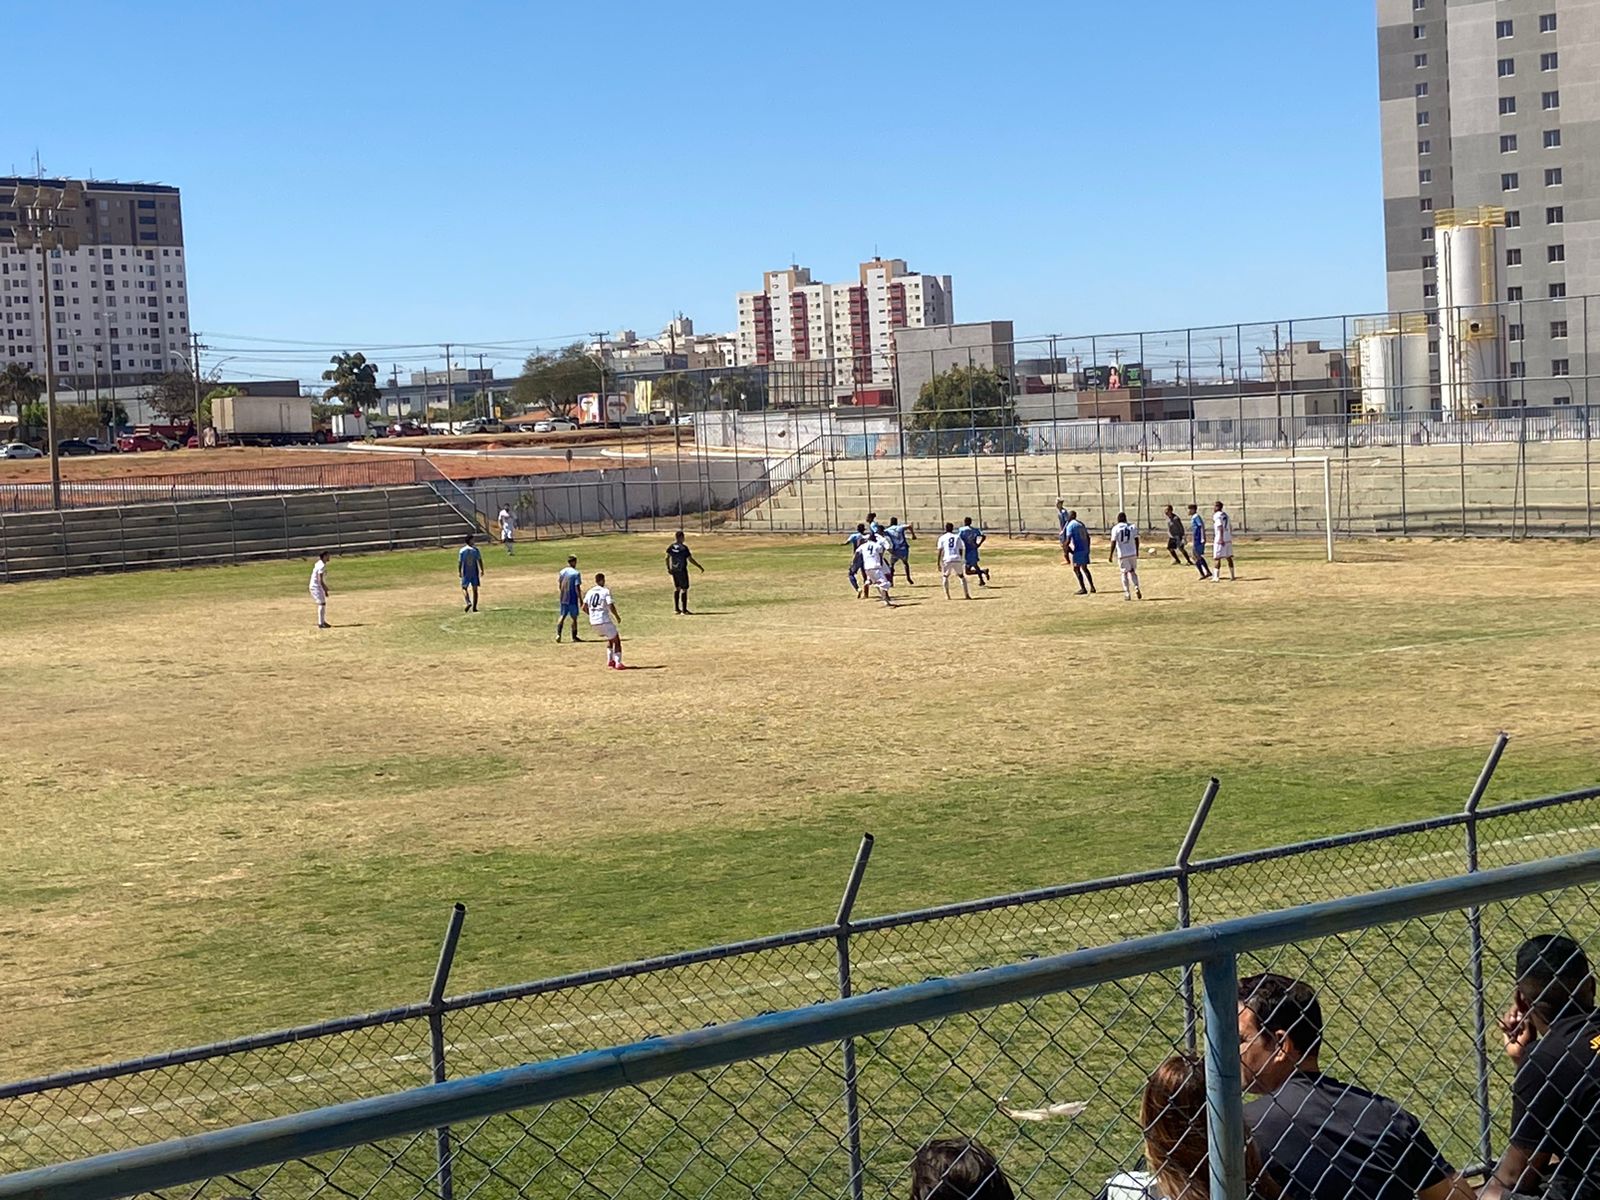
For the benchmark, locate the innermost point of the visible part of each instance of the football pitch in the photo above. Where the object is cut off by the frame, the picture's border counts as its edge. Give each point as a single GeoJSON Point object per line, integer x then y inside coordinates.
{"type": "Point", "coordinates": [221, 820]}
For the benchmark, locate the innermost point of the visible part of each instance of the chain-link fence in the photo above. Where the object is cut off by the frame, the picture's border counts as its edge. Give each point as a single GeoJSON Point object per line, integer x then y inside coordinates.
{"type": "Point", "coordinates": [128, 1103]}
{"type": "Point", "coordinates": [1045, 1062]}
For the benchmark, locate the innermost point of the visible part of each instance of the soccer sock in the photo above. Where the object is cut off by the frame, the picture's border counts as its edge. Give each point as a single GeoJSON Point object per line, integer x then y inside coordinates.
{"type": "Point", "coordinates": [966, 588]}
{"type": "Point", "coordinates": [322, 614]}
{"type": "Point", "coordinates": [947, 587]}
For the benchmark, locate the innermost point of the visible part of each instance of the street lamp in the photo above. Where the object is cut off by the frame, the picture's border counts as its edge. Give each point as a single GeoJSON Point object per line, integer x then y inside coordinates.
{"type": "Point", "coordinates": [42, 222]}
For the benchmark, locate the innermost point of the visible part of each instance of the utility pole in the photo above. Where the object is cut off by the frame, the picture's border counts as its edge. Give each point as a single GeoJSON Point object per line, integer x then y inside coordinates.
{"type": "Point", "coordinates": [194, 366]}
{"type": "Point", "coordinates": [488, 406]}
{"type": "Point", "coordinates": [397, 412]}
{"type": "Point", "coordinates": [449, 392]}
{"type": "Point", "coordinates": [600, 355]}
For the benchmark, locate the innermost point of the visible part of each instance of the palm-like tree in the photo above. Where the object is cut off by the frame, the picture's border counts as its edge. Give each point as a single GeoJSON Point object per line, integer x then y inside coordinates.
{"type": "Point", "coordinates": [19, 387]}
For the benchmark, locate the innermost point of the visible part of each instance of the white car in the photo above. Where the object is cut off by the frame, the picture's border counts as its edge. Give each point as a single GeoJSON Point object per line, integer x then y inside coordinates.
{"type": "Point", "coordinates": [554, 424]}
{"type": "Point", "coordinates": [20, 450]}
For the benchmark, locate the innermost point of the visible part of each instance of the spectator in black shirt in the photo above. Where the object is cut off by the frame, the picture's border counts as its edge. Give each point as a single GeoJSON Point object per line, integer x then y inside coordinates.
{"type": "Point", "coordinates": [1323, 1139]}
{"type": "Point", "coordinates": [678, 560]}
{"type": "Point", "coordinates": [1553, 1035]}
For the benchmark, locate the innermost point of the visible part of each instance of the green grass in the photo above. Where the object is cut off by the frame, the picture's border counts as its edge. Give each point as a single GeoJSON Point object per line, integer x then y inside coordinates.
{"type": "Point", "coordinates": [234, 823]}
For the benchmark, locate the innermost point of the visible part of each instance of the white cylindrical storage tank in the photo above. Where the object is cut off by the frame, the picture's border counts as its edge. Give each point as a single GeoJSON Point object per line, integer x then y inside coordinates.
{"type": "Point", "coordinates": [1468, 246]}
{"type": "Point", "coordinates": [1393, 353]}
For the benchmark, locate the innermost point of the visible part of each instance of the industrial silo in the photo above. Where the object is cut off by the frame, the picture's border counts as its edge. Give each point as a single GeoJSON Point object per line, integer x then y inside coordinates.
{"type": "Point", "coordinates": [1472, 354]}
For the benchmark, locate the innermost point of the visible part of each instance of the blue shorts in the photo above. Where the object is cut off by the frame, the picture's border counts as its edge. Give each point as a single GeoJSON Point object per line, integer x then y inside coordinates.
{"type": "Point", "coordinates": [1080, 558]}
{"type": "Point", "coordinates": [1200, 547]}
{"type": "Point", "coordinates": [901, 555]}
{"type": "Point", "coordinates": [569, 608]}
{"type": "Point", "coordinates": [972, 558]}
{"type": "Point", "coordinates": [469, 581]}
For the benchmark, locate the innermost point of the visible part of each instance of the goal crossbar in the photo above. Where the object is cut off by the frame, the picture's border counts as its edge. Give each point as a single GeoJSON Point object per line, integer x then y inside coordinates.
{"type": "Point", "coordinates": [1233, 464]}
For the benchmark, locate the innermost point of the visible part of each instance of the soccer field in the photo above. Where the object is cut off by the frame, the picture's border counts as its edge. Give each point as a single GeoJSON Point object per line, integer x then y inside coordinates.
{"type": "Point", "coordinates": [222, 820]}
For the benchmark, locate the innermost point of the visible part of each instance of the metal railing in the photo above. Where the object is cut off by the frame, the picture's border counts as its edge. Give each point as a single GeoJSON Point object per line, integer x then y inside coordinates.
{"type": "Point", "coordinates": [119, 1104]}
{"type": "Point", "coordinates": [207, 485]}
{"type": "Point", "coordinates": [753, 1107]}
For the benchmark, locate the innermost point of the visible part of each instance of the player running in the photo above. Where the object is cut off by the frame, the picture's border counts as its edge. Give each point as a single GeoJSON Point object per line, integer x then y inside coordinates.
{"type": "Point", "coordinates": [1125, 552]}
{"type": "Point", "coordinates": [1222, 541]}
{"type": "Point", "coordinates": [874, 555]}
{"type": "Point", "coordinates": [604, 619]}
{"type": "Point", "coordinates": [854, 542]}
{"type": "Point", "coordinates": [952, 560]}
{"type": "Point", "coordinates": [569, 587]}
{"type": "Point", "coordinates": [1197, 534]}
{"type": "Point", "coordinates": [900, 539]}
{"type": "Point", "coordinates": [508, 528]}
{"type": "Point", "coordinates": [319, 589]}
{"type": "Point", "coordinates": [469, 569]}
{"type": "Point", "coordinates": [678, 560]}
{"type": "Point", "coordinates": [971, 538]}
{"type": "Point", "coordinates": [1077, 537]}
{"type": "Point", "coordinates": [1175, 536]}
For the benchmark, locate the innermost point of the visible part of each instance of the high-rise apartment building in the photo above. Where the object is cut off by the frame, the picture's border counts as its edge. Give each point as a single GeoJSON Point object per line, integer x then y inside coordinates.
{"type": "Point", "coordinates": [846, 329]}
{"type": "Point", "coordinates": [1496, 104]}
{"type": "Point", "coordinates": [118, 305]}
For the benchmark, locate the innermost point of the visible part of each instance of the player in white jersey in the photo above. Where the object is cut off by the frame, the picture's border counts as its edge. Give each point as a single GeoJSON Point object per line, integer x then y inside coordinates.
{"type": "Point", "coordinates": [874, 565]}
{"type": "Point", "coordinates": [953, 560]}
{"type": "Point", "coordinates": [319, 589]}
{"type": "Point", "coordinates": [508, 528]}
{"type": "Point", "coordinates": [604, 619]}
{"type": "Point", "coordinates": [1221, 542]}
{"type": "Point", "coordinates": [1125, 553]}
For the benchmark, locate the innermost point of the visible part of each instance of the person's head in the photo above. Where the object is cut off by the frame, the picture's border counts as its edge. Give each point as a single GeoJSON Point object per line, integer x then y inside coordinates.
{"type": "Point", "coordinates": [678, 536]}
{"type": "Point", "coordinates": [469, 538]}
{"type": "Point", "coordinates": [1217, 507]}
{"type": "Point", "coordinates": [949, 526]}
{"type": "Point", "coordinates": [1552, 976]}
{"type": "Point", "coordinates": [957, 1168]}
{"type": "Point", "coordinates": [1280, 1030]}
{"type": "Point", "coordinates": [1173, 1114]}
{"type": "Point", "coordinates": [966, 520]}
{"type": "Point", "coordinates": [1072, 514]}
{"type": "Point", "coordinates": [861, 527]}
{"type": "Point", "coordinates": [1167, 510]}
{"type": "Point", "coordinates": [894, 520]}
{"type": "Point", "coordinates": [871, 517]}
{"type": "Point", "coordinates": [1122, 518]}
{"type": "Point", "coordinates": [1060, 503]}
{"type": "Point", "coordinates": [599, 579]}
{"type": "Point", "coordinates": [572, 560]}
{"type": "Point", "coordinates": [1193, 509]}
{"type": "Point", "coordinates": [323, 557]}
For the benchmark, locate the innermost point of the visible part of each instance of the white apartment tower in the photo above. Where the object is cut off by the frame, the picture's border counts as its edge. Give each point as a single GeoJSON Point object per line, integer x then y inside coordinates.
{"type": "Point", "coordinates": [844, 328]}
{"type": "Point", "coordinates": [118, 305]}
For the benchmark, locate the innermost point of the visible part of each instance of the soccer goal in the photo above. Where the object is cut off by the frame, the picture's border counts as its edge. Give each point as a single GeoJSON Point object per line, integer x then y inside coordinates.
{"type": "Point", "coordinates": [1265, 495]}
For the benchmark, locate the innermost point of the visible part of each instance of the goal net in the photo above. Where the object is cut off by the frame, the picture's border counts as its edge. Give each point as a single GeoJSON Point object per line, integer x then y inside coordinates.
{"type": "Point", "coordinates": [1292, 496]}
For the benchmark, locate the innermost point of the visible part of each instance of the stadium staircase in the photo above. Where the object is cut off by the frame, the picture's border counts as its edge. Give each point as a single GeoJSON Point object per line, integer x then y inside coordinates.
{"type": "Point", "coordinates": [194, 532]}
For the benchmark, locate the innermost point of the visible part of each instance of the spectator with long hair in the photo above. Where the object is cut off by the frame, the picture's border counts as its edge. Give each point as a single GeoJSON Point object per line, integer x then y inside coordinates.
{"type": "Point", "coordinates": [1173, 1114]}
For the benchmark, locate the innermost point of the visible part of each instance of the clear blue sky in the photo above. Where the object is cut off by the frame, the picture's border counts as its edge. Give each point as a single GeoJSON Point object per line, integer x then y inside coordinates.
{"type": "Point", "coordinates": [368, 173]}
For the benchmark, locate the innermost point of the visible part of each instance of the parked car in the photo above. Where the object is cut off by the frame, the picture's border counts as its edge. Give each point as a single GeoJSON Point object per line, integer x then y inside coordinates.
{"type": "Point", "coordinates": [70, 446]}
{"type": "Point", "coordinates": [657, 417]}
{"type": "Point", "coordinates": [20, 450]}
{"type": "Point", "coordinates": [553, 425]}
{"type": "Point", "coordinates": [101, 446]}
{"type": "Point", "coordinates": [408, 429]}
{"type": "Point", "coordinates": [483, 425]}
{"type": "Point", "coordinates": [136, 443]}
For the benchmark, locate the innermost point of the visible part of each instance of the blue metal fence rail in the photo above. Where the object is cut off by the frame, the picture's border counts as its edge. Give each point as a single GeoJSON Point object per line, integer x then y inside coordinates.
{"type": "Point", "coordinates": [1215, 949]}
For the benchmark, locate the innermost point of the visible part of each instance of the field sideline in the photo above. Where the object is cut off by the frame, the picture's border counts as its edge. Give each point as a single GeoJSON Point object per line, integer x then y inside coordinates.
{"type": "Point", "coordinates": [230, 822]}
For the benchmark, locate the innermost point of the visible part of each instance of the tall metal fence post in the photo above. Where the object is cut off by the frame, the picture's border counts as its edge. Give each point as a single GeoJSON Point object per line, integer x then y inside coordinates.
{"type": "Point", "coordinates": [1197, 823]}
{"type": "Point", "coordinates": [852, 1104]}
{"type": "Point", "coordinates": [1224, 1086]}
{"type": "Point", "coordinates": [1480, 1012]}
{"type": "Point", "coordinates": [441, 977]}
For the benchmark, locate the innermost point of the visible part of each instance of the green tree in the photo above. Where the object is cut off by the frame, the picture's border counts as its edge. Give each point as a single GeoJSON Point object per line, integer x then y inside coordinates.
{"type": "Point", "coordinates": [353, 381]}
{"type": "Point", "coordinates": [112, 414]}
{"type": "Point", "coordinates": [968, 409]}
{"type": "Point", "coordinates": [19, 387]}
{"type": "Point", "coordinates": [78, 421]}
{"type": "Point", "coordinates": [555, 381]}
{"type": "Point", "coordinates": [742, 389]}
{"type": "Point", "coordinates": [173, 396]}
{"type": "Point", "coordinates": [679, 392]}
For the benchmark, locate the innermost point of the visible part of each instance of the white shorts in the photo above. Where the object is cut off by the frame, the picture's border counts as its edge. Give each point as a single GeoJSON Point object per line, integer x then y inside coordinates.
{"type": "Point", "coordinates": [319, 597]}
{"type": "Point", "coordinates": [878, 577]}
{"type": "Point", "coordinates": [1130, 566]}
{"type": "Point", "coordinates": [606, 630]}
{"type": "Point", "coordinates": [1222, 550]}
{"type": "Point", "coordinates": [953, 567]}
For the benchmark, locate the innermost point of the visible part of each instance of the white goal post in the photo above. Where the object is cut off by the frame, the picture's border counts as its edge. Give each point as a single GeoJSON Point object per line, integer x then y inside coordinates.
{"type": "Point", "coordinates": [1234, 464]}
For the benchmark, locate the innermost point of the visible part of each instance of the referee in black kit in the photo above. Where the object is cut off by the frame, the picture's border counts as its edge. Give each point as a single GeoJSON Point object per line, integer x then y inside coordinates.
{"type": "Point", "coordinates": [678, 559]}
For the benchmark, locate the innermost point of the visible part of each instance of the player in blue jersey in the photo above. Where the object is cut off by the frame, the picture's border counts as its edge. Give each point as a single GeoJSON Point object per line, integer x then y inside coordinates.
{"type": "Point", "coordinates": [971, 538]}
{"type": "Point", "coordinates": [469, 569]}
{"type": "Point", "coordinates": [900, 539]}
{"type": "Point", "coordinates": [857, 584]}
{"type": "Point", "coordinates": [569, 595]}
{"type": "Point", "coordinates": [1063, 518]}
{"type": "Point", "coordinates": [1197, 537]}
{"type": "Point", "coordinates": [1076, 536]}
